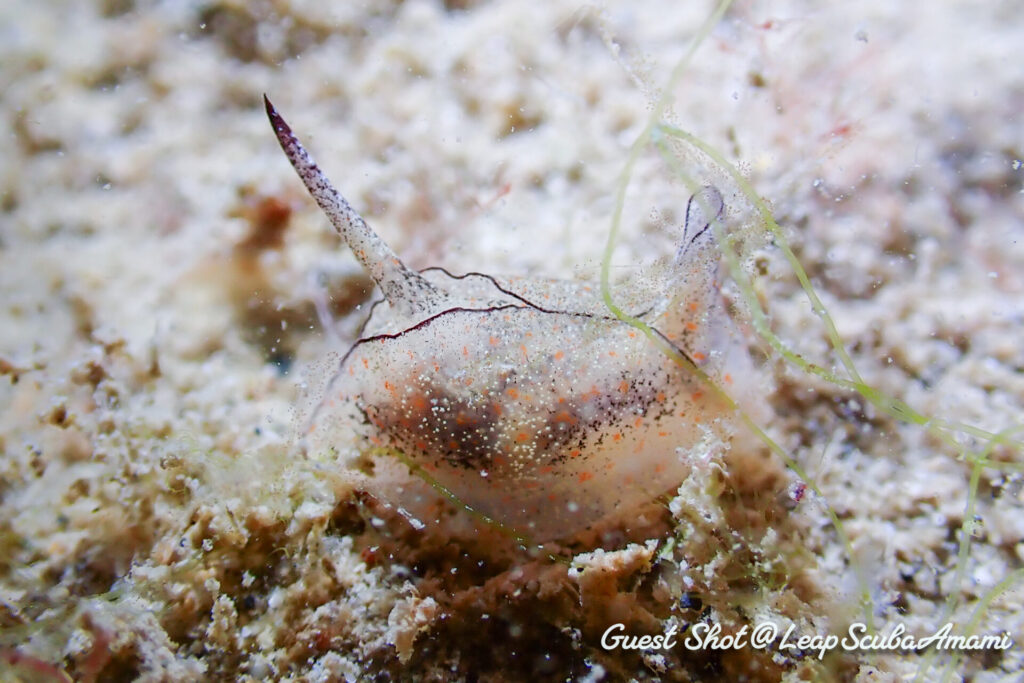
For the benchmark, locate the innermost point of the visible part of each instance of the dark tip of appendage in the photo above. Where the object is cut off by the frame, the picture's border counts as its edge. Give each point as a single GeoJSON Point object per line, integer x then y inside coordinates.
{"type": "Point", "coordinates": [281, 128]}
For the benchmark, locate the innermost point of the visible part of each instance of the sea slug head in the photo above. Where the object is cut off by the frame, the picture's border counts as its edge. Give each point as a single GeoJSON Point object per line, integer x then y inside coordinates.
{"type": "Point", "coordinates": [524, 399]}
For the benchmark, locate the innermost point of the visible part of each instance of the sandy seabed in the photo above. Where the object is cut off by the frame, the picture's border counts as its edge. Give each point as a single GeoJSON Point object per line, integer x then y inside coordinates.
{"type": "Point", "coordinates": [161, 269]}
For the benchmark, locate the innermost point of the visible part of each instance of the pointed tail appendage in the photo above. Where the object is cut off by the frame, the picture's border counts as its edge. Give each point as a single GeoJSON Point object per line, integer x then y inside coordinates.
{"type": "Point", "coordinates": [406, 290]}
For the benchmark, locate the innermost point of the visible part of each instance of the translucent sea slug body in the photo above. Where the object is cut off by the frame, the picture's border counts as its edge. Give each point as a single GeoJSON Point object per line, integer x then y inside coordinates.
{"type": "Point", "coordinates": [525, 398]}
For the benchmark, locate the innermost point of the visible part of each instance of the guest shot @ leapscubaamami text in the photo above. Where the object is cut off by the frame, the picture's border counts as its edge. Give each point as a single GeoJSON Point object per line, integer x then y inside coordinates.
{"type": "Point", "coordinates": [704, 636]}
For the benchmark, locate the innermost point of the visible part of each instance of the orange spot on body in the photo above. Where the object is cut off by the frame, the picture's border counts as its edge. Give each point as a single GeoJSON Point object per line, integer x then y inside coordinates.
{"type": "Point", "coordinates": [493, 341]}
{"type": "Point", "coordinates": [692, 326]}
{"type": "Point", "coordinates": [624, 386]}
{"type": "Point", "coordinates": [559, 355]}
{"type": "Point", "coordinates": [586, 475]}
{"type": "Point", "coordinates": [698, 356]}
{"type": "Point", "coordinates": [842, 130]}
{"type": "Point", "coordinates": [565, 416]}
{"type": "Point", "coordinates": [512, 392]}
